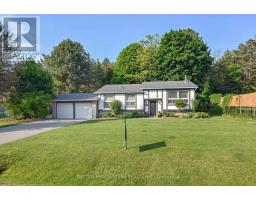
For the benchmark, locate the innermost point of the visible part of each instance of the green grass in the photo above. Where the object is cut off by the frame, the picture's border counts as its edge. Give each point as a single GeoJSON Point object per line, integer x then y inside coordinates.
{"type": "Point", "coordinates": [9, 122]}
{"type": "Point", "coordinates": [215, 151]}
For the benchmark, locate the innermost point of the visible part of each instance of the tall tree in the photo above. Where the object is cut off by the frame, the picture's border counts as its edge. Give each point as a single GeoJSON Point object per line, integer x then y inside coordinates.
{"type": "Point", "coordinates": [32, 92]}
{"type": "Point", "coordinates": [69, 65]}
{"type": "Point", "coordinates": [218, 74]}
{"type": "Point", "coordinates": [246, 58]}
{"type": "Point", "coordinates": [135, 62]}
{"type": "Point", "coordinates": [127, 68]}
{"type": "Point", "coordinates": [96, 76]}
{"type": "Point", "coordinates": [107, 68]}
{"type": "Point", "coordinates": [235, 71]}
{"type": "Point", "coordinates": [147, 56]}
{"type": "Point", "coordinates": [182, 52]}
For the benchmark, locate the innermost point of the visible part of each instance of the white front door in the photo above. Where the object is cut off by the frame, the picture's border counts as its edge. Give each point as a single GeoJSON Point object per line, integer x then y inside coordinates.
{"type": "Point", "coordinates": [83, 110]}
{"type": "Point", "coordinates": [65, 110]}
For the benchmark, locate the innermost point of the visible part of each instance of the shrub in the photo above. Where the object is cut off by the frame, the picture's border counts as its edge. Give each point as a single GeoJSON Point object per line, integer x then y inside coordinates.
{"type": "Point", "coordinates": [225, 102]}
{"type": "Point", "coordinates": [31, 93]}
{"type": "Point", "coordinates": [3, 115]}
{"type": "Point", "coordinates": [30, 105]}
{"type": "Point", "coordinates": [168, 114]}
{"type": "Point", "coordinates": [106, 115]}
{"type": "Point", "coordinates": [195, 105]}
{"type": "Point", "coordinates": [116, 106]}
{"type": "Point", "coordinates": [215, 109]}
{"type": "Point", "coordinates": [159, 115]}
{"type": "Point", "coordinates": [129, 115]}
{"type": "Point", "coordinates": [215, 98]}
{"type": "Point", "coordinates": [196, 115]}
{"type": "Point", "coordinates": [180, 103]}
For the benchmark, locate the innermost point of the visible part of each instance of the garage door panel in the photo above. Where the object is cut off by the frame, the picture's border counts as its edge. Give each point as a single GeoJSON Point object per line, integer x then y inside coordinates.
{"type": "Point", "coordinates": [83, 110]}
{"type": "Point", "coordinates": [65, 110]}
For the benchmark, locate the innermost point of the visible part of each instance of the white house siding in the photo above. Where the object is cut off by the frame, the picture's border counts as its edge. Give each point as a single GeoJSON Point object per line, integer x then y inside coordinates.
{"type": "Point", "coordinates": [145, 94]}
{"type": "Point", "coordinates": [120, 97]}
{"type": "Point", "coordinates": [164, 100]}
{"type": "Point", "coordinates": [159, 94]}
{"type": "Point", "coordinates": [152, 94]}
{"type": "Point", "coordinates": [101, 102]}
{"type": "Point", "coordinates": [192, 97]}
{"type": "Point", "coordinates": [159, 106]}
{"type": "Point", "coordinates": [140, 101]}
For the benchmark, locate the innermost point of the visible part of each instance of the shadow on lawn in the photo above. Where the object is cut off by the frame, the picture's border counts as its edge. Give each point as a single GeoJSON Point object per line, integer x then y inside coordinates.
{"type": "Point", "coordinates": [155, 145]}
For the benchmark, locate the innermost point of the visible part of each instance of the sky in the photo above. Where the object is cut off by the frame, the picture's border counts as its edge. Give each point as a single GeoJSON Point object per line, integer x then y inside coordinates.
{"type": "Point", "coordinates": [106, 35]}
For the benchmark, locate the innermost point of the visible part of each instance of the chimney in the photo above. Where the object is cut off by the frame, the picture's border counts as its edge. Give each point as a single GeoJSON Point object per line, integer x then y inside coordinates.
{"type": "Point", "coordinates": [185, 79]}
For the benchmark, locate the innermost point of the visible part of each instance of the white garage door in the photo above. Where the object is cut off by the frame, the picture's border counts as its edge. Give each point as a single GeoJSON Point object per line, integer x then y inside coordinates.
{"type": "Point", "coordinates": [65, 110]}
{"type": "Point", "coordinates": [83, 110]}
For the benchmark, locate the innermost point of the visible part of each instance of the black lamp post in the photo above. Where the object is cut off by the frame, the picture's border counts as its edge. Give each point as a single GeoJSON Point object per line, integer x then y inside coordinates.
{"type": "Point", "coordinates": [125, 133]}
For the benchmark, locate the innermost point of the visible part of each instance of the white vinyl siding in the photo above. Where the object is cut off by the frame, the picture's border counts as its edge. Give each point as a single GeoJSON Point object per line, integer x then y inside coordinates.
{"type": "Point", "coordinates": [140, 101]}
{"type": "Point", "coordinates": [121, 98]}
{"type": "Point", "coordinates": [152, 94]}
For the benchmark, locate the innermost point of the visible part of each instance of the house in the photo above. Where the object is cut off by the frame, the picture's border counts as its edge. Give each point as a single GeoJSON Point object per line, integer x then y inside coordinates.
{"type": "Point", "coordinates": [148, 98]}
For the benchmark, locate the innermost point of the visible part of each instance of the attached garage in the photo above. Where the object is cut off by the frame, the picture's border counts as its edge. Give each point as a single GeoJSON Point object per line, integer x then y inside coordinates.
{"type": "Point", "coordinates": [75, 106]}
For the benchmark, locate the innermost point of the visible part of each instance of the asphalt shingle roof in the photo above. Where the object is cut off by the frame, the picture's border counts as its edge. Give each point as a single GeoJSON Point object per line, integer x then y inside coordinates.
{"type": "Point", "coordinates": [168, 85]}
{"type": "Point", "coordinates": [138, 88]}
{"type": "Point", "coordinates": [76, 97]}
{"type": "Point", "coordinates": [120, 88]}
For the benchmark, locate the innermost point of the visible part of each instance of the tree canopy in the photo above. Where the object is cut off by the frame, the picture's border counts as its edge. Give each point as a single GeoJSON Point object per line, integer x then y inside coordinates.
{"type": "Point", "coordinates": [182, 52]}
{"type": "Point", "coordinates": [127, 68]}
{"type": "Point", "coordinates": [235, 71]}
{"type": "Point", "coordinates": [135, 62]}
{"type": "Point", "coordinates": [32, 92]}
{"type": "Point", "coordinates": [69, 65]}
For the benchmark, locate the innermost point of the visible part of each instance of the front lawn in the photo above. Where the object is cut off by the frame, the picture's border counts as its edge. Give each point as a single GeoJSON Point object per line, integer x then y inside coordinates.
{"type": "Point", "coordinates": [8, 122]}
{"type": "Point", "coordinates": [215, 151]}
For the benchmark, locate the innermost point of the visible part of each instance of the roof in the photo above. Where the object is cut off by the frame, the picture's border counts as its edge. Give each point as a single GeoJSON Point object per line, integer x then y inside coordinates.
{"type": "Point", "coordinates": [138, 88]}
{"type": "Point", "coordinates": [120, 88]}
{"type": "Point", "coordinates": [168, 85]}
{"type": "Point", "coordinates": [76, 97]}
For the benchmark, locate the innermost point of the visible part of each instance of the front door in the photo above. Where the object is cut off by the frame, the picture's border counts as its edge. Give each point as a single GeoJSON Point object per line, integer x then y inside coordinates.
{"type": "Point", "coordinates": [152, 106]}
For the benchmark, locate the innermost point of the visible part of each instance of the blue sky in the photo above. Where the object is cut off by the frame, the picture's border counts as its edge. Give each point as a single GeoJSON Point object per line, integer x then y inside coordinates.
{"type": "Point", "coordinates": [106, 35]}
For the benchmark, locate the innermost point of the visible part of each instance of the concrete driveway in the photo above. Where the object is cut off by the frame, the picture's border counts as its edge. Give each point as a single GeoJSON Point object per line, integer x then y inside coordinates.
{"type": "Point", "coordinates": [16, 132]}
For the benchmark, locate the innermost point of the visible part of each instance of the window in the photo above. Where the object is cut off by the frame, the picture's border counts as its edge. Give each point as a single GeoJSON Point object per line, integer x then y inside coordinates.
{"type": "Point", "coordinates": [130, 101]}
{"type": "Point", "coordinates": [183, 94]}
{"type": "Point", "coordinates": [108, 99]}
{"type": "Point", "coordinates": [174, 95]}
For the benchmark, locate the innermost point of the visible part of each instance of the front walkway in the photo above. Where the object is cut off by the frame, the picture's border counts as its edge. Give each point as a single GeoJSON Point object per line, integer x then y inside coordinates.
{"type": "Point", "coordinates": [16, 132]}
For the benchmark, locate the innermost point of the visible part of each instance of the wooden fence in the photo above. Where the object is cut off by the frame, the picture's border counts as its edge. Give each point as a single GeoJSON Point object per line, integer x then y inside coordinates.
{"type": "Point", "coordinates": [244, 104]}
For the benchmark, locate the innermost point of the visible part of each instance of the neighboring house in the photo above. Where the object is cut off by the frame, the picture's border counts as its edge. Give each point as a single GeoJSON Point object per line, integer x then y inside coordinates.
{"type": "Point", "coordinates": [147, 97]}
